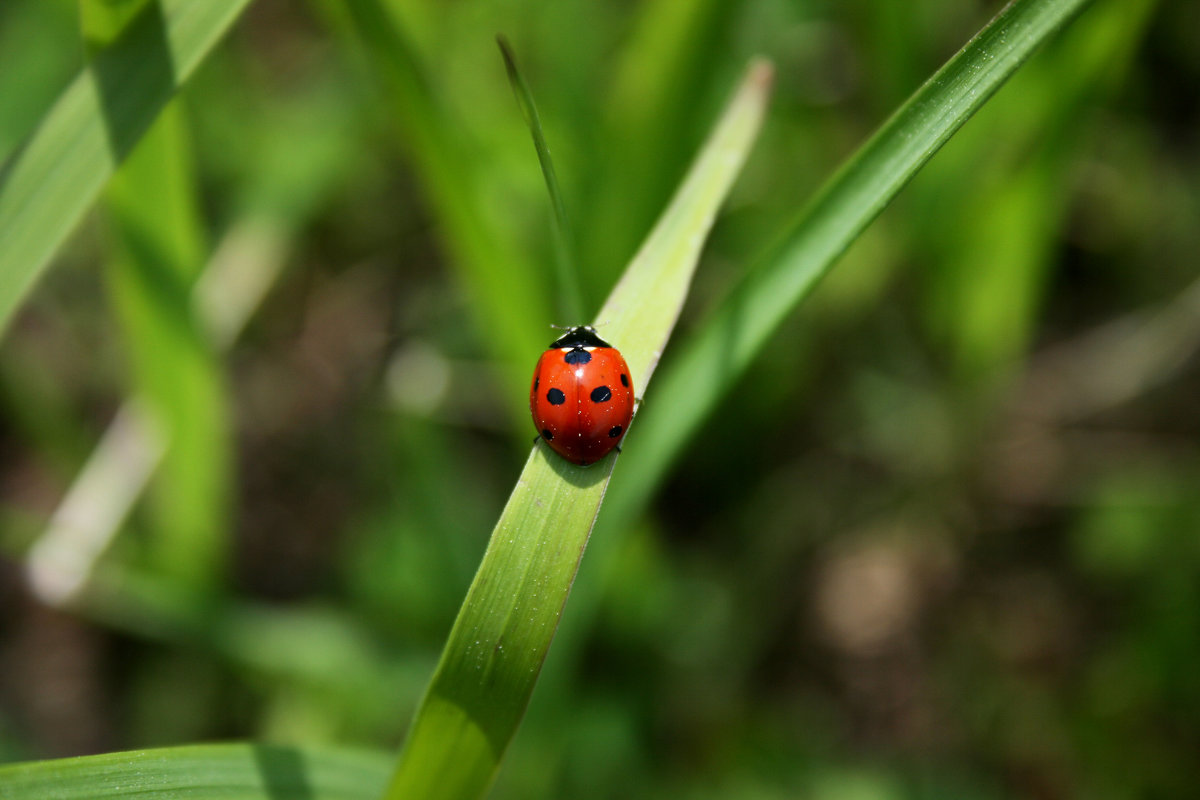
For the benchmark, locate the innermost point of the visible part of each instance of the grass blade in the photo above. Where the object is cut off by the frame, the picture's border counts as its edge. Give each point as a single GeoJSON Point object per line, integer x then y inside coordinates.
{"type": "Point", "coordinates": [157, 253]}
{"type": "Point", "coordinates": [846, 204]}
{"type": "Point", "coordinates": [570, 297]}
{"type": "Point", "coordinates": [230, 771]}
{"type": "Point", "coordinates": [709, 364]}
{"type": "Point", "coordinates": [987, 288]}
{"type": "Point", "coordinates": [56, 174]}
{"type": "Point", "coordinates": [495, 651]}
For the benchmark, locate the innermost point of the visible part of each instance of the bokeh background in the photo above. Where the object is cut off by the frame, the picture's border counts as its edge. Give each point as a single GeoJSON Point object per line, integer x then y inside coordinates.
{"type": "Point", "coordinates": [942, 539]}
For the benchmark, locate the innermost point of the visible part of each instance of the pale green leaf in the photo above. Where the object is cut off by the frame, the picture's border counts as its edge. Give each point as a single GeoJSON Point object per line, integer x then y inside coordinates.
{"type": "Point", "coordinates": [201, 772]}
{"type": "Point", "coordinates": [491, 662]}
{"type": "Point", "coordinates": [56, 174]}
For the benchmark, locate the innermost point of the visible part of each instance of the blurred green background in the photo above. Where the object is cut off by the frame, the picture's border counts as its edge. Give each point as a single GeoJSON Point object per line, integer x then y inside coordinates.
{"type": "Point", "coordinates": [940, 541]}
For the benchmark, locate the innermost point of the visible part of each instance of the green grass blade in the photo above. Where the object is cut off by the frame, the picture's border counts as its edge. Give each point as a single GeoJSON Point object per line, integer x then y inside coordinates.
{"type": "Point", "coordinates": [228, 771]}
{"type": "Point", "coordinates": [495, 651]}
{"type": "Point", "coordinates": [643, 308]}
{"type": "Point", "coordinates": [300, 151]}
{"type": "Point", "coordinates": [56, 174]}
{"type": "Point", "coordinates": [158, 253]}
{"type": "Point", "coordinates": [570, 297]}
{"type": "Point", "coordinates": [151, 273]}
{"type": "Point", "coordinates": [847, 203]}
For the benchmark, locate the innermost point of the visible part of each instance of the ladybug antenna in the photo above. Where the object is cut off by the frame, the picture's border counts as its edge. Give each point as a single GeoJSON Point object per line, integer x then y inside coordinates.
{"type": "Point", "coordinates": [560, 327]}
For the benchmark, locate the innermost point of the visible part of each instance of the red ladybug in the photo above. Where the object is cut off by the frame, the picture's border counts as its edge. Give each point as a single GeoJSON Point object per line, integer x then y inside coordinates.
{"type": "Point", "coordinates": [581, 397]}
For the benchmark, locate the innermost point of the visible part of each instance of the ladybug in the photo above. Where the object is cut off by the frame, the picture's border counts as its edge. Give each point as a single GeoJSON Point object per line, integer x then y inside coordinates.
{"type": "Point", "coordinates": [581, 397]}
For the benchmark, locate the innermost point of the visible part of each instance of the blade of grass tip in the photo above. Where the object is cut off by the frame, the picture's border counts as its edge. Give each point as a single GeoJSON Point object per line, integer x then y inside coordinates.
{"type": "Point", "coordinates": [824, 229]}
{"type": "Point", "coordinates": [570, 293]}
{"type": "Point", "coordinates": [234, 771]}
{"type": "Point", "coordinates": [495, 651]}
{"type": "Point", "coordinates": [56, 174]}
{"type": "Point", "coordinates": [642, 309]}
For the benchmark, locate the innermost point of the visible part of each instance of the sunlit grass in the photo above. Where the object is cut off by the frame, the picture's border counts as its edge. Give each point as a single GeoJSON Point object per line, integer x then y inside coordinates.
{"type": "Point", "coordinates": [340, 400]}
{"type": "Point", "coordinates": [491, 662]}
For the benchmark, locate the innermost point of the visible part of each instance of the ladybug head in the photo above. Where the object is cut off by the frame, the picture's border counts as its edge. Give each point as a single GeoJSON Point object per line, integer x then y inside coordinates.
{"type": "Point", "coordinates": [579, 336]}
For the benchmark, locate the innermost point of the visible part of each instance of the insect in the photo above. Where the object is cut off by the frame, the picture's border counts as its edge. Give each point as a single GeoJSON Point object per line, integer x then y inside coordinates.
{"type": "Point", "coordinates": [581, 397]}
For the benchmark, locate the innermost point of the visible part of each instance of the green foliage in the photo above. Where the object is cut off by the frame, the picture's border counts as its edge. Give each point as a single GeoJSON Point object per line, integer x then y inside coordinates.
{"type": "Point", "coordinates": [51, 179]}
{"type": "Point", "coordinates": [226, 771]}
{"type": "Point", "coordinates": [825, 228]}
{"type": "Point", "coordinates": [158, 256]}
{"type": "Point", "coordinates": [567, 272]}
{"type": "Point", "coordinates": [917, 526]}
{"type": "Point", "coordinates": [491, 662]}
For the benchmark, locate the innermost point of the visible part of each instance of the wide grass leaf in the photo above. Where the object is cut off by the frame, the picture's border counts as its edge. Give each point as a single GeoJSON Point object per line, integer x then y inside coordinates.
{"type": "Point", "coordinates": [56, 174]}
{"type": "Point", "coordinates": [157, 253]}
{"type": "Point", "coordinates": [199, 772]}
{"type": "Point", "coordinates": [495, 651]}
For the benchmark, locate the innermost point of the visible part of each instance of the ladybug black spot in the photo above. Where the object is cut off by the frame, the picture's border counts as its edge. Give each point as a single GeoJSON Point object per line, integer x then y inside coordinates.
{"type": "Point", "coordinates": [615, 432]}
{"type": "Point", "coordinates": [536, 381]}
{"type": "Point", "coordinates": [556, 397]}
{"type": "Point", "coordinates": [578, 356]}
{"type": "Point", "coordinates": [601, 394]}
{"type": "Point", "coordinates": [624, 380]}
{"type": "Point", "coordinates": [547, 434]}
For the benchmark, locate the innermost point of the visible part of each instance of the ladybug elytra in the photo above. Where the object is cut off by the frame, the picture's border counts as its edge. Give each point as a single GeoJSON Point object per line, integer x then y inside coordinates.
{"type": "Point", "coordinates": [581, 397]}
